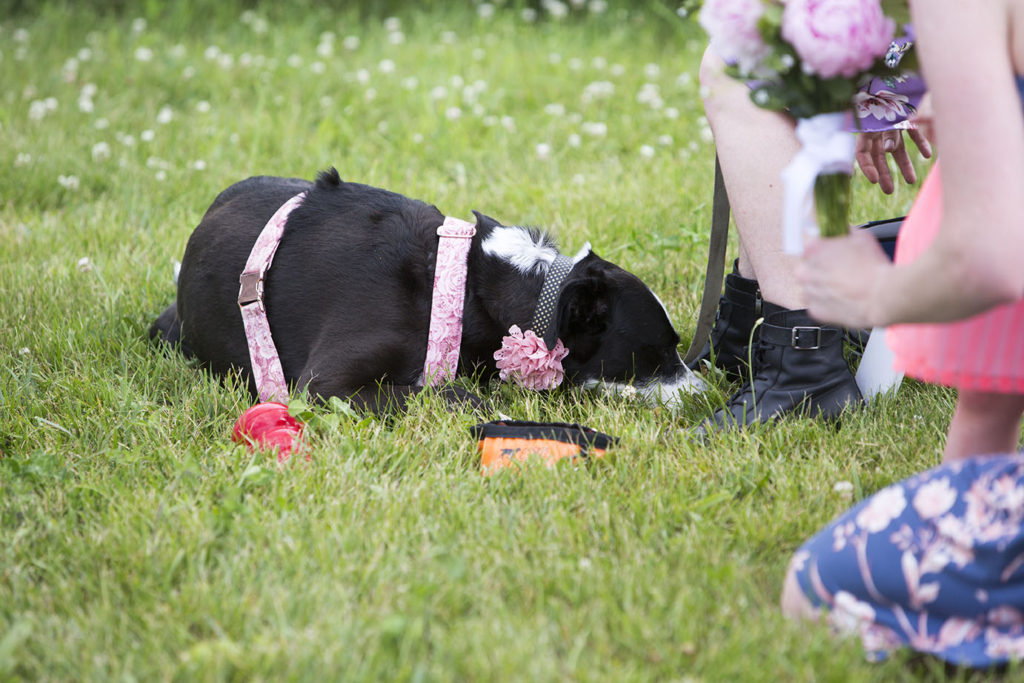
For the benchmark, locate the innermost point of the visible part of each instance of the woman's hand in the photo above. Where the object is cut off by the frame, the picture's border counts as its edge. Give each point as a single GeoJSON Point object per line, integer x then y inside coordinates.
{"type": "Point", "coordinates": [873, 146]}
{"type": "Point", "coordinates": [839, 276]}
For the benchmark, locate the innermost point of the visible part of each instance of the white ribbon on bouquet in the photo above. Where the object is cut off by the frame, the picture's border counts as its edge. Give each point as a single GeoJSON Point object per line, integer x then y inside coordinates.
{"type": "Point", "coordinates": [826, 146]}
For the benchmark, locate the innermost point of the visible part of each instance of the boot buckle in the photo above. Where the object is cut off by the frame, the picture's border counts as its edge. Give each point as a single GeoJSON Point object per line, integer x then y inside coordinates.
{"type": "Point", "coordinates": [806, 338]}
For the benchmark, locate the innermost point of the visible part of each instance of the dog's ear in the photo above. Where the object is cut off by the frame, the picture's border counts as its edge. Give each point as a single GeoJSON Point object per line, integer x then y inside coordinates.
{"type": "Point", "coordinates": [583, 314]}
{"type": "Point", "coordinates": [485, 223]}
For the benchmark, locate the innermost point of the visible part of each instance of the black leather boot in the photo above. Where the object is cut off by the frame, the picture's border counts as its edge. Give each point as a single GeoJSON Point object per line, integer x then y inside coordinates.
{"type": "Point", "coordinates": [738, 310]}
{"type": "Point", "coordinates": [798, 368]}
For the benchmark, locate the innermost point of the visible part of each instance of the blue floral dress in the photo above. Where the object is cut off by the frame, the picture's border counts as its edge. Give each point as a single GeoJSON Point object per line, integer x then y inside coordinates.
{"type": "Point", "coordinates": [934, 563]}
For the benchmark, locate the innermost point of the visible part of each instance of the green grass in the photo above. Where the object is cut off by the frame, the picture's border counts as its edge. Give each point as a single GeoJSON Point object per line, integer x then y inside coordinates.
{"type": "Point", "coordinates": [137, 542]}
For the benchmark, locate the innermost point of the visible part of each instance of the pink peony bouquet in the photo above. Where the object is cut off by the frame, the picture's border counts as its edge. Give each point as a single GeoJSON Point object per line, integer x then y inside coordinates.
{"type": "Point", "coordinates": [809, 58]}
{"type": "Point", "coordinates": [526, 359]}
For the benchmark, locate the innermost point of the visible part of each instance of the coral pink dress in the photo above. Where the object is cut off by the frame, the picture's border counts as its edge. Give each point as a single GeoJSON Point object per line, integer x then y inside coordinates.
{"type": "Point", "coordinates": [983, 353]}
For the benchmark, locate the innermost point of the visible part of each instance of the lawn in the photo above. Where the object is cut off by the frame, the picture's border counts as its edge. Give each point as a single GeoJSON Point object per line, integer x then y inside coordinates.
{"type": "Point", "coordinates": [137, 542]}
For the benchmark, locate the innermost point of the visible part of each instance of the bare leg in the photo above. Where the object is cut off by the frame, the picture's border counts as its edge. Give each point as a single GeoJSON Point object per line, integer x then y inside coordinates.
{"type": "Point", "coordinates": [794, 603]}
{"type": "Point", "coordinates": [984, 423]}
{"type": "Point", "coordinates": [754, 145]}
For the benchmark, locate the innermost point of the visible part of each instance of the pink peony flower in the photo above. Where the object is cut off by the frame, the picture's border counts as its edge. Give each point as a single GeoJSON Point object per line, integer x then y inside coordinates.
{"type": "Point", "coordinates": [732, 27]}
{"type": "Point", "coordinates": [525, 358]}
{"type": "Point", "coordinates": [837, 37]}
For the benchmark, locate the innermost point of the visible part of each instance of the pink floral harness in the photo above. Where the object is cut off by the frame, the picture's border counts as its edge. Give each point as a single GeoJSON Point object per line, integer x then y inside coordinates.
{"type": "Point", "coordinates": [525, 359]}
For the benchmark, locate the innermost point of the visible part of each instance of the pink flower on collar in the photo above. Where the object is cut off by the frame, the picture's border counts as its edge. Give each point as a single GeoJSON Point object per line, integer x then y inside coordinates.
{"type": "Point", "coordinates": [525, 358]}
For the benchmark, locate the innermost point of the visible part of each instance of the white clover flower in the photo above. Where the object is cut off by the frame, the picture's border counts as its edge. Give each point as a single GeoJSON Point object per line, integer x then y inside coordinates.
{"type": "Point", "coordinates": [84, 265]}
{"type": "Point", "coordinates": [529, 15]}
{"type": "Point", "coordinates": [363, 76]}
{"type": "Point", "coordinates": [599, 63]}
{"type": "Point", "coordinates": [100, 151]}
{"type": "Point", "coordinates": [260, 26]}
{"type": "Point", "coordinates": [211, 53]}
{"type": "Point", "coordinates": [126, 140]}
{"type": "Point", "coordinates": [370, 95]}
{"type": "Point", "coordinates": [557, 10]}
{"type": "Point", "coordinates": [652, 70]}
{"type": "Point", "coordinates": [386, 66]}
{"type": "Point", "coordinates": [396, 38]}
{"type": "Point", "coordinates": [449, 37]}
{"type": "Point", "coordinates": [417, 138]}
{"type": "Point", "coordinates": [68, 182]}
{"type": "Point", "coordinates": [350, 43]}
{"type": "Point", "coordinates": [325, 49]}
{"type": "Point", "coordinates": [579, 179]}
{"type": "Point", "coordinates": [51, 104]}
{"type": "Point", "coordinates": [294, 61]}
{"type": "Point", "coordinates": [453, 113]}
{"type": "Point", "coordinates": [160, 175]}
{"type": "Point", "coordinates": [575, 64]}
{"type": "Point", "coordinates": [37, 110]}
{"type": "Point", "coordinates": [70, 67]}
{"type": "Point", "coordinates": [382, 127]}
{"type": "Point", "coordinates": [761, 97]}
{"type": "Point", "coordinates": [682, 12]}
{"type": "Point", "coordinates": [225, 60]}
{"type": "Point", "coordinates": [245, 59]}
{"type": "Point", "coordinates": [647, 151]}
{"type": "Point", "coordinates": [318, 67]}
{"type": "Point", "coordinates": [410, 83]}
{"type": "Point", "coordinates": [617, 69]}
{"type": "Point", "coordinates": [198, 165]}
{"type": "Point", "coordinates": [485, 10]}
{"type": "Point", "coordinates": [842, 487]}
{"type": "Point", "coordinates": [202, 106]}
{"type": "Point", "coordinates": [143, 54]}
{"type": "Point", "coordinates": [543, 151]}
{"type": "Point", "coordinates": [628, 391]}
{"type": "Point", "coordinates": [84, 54]}
{"type": "Point", "coordinates": [439, 93]}
{"type": "Point", "coordinates": [554, 109]}
{"type": "Point", "coordinates": [188, 72]}
{"type": "Point", "coordinates": [684, 80]}
{"type": "Point", "coordinates": [101, 124]}
{"type": "Point", "coordinates": [247, 16]}
{"type": "Point", "coordinates": [598, 90]}
{"type": "Point", "coordinates": [574, 140]}
{"type": "Point", "coordinates": [478, 54]}
{"type": "Point", "coordinates": [650, 95]}
{"type": "Point", "coordinates": [89, 90]}
{"type": "Point", "coordinates": [138, 25]}
{"type": "Point", "coordinates": [23, 159]}
{"type": "Point", "coordinates": [147, 135]}
{"type": "Point", "coordinates": [177, 51]}
{"type": "Point", "coordinates": [85, 105]}
{"type": "Point", "coordinates": [456, 81]}
{"type": "Point", "coordinates": [597, 6]}
{"type": "Point", "coordinates": [328, 37]}
{"type": "Point", "coordinates": [490, 120]}
{"type": "Point", "coordinates": [24, 351]}
{"type": "Point", "coordinates": [20, 35]}
{"type": "Point", "coordinates": [595, 128]}
{"type": "Point", "coordinates": [508, 123]}
{"type": "Point", "coordinates": [165, 115]}
{"type": "Point", "coordinates": [671, 113]}
{"type": "Point", "coordinates": [707, 136]}
{"type": "Point", "coordinates": [554, 58]}
{"type": "Point", "coordinates": [392, 24]}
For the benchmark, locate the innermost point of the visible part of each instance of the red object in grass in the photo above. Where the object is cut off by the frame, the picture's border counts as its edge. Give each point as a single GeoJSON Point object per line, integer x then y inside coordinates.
{"type": "Point", "coordinates": [268, 425]}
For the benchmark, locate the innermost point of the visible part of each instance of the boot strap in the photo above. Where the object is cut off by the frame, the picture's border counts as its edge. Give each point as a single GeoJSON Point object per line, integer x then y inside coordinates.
{"type": "Point", "coordinates": [800, 337]}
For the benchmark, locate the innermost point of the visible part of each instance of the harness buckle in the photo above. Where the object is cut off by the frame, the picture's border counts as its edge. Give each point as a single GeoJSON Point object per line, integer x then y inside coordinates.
{"type": "Point", "coordinates": [251, 289]}
{"type": "Point", "coordinates": [467, 231]}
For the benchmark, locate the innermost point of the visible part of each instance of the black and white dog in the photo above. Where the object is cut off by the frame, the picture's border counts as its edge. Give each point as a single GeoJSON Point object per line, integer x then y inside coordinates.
{"type": "Point", "coordinates": [349, 296]}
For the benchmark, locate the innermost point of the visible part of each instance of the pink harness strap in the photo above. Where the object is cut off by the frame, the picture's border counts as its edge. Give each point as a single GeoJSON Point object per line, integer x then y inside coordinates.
{"type": "Point", "coordinates": [266, 364]}
{"type": "Point", "coordinates": [445, 335]}
{"type": "Point", "coordinates": [446, 306]}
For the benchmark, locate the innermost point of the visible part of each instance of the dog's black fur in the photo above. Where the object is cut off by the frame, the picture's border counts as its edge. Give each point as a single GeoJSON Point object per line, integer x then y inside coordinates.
{"type": "Point", "coordinates": [348, 296]}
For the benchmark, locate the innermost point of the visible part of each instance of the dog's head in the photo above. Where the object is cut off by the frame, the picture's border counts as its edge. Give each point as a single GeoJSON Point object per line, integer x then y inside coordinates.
{"type": "Point", "coordinates": [617, 331]}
